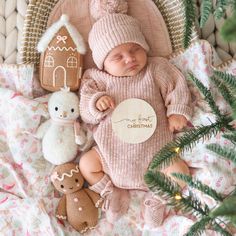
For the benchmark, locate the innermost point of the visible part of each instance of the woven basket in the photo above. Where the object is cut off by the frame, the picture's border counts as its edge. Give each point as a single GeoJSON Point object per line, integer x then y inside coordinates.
{"type": "Point", "coordinates": [39, 10]}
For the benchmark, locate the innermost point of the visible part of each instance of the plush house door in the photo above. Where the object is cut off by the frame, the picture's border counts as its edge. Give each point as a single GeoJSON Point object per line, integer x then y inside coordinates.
{"type": "Point", "coordinates": [59, 76]}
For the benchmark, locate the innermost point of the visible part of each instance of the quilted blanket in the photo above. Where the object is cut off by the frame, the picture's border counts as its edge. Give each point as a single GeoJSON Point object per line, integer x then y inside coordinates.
{"type": "Point", "coordinates": [27, 197]}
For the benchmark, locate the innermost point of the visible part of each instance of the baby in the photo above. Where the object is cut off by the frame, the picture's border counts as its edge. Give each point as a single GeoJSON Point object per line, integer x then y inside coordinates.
{"type": "Point", "coordinates": [113, 166]}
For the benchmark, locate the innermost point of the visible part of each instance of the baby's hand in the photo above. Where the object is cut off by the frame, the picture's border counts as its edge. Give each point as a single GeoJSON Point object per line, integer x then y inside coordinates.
{"type": "Point", "coordinates": [177, 122]}
{"type": "Point", "coordinates": [105, 102]}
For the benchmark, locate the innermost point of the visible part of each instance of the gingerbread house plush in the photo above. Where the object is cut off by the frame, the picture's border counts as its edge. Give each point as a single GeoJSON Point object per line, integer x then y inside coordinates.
{"type": "Point", "coordinates": [62, 48]}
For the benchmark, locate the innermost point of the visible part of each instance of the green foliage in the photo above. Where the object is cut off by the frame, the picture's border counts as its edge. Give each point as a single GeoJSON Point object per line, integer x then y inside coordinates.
{"type": "Point", "coordinates": [189, 9]}
{"type": "Point", "coordinates": [222, 231]}
{"type": "Point", "coordinates": [199, 227]}
{"type": "Point", "coordinates": [228, 30]}
{"type": "Point", "coordinates": [226, 93]}
{"type": "Point", "coordinates": [161, 184]}
{"type": "Point", "coordinates": [229, 153]}
{"type": "Point", "coordinates": [220, 8]}
{"type": "Point", "coordinates": [231, 137]}
{"type": "Point", "coordinates": [198, 185]}
{"type": "Point", "coordinates": [207, 94]}
{"type": "Point", "coordinates": [206, 9]}
{"type": "Point", "coordinates": [227, 208]}
{"type": "Point", "coordinates": [164, 186]}
{"type": "Point", "coordinates": [229, 79]}
{"type": "Point", "coordinates": [168, 154]}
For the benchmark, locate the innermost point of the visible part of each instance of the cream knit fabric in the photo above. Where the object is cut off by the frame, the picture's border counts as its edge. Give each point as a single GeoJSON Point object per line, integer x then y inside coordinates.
{"type": "Point", "coordinates": [12, 13]}
{"type": "Point", "coordinates": [163, 87]}
{"type": "Point", "coordinates": [111, 31]}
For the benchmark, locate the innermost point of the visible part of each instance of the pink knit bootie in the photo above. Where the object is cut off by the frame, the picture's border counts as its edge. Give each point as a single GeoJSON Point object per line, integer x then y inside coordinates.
{"type": "Point", "coordinates": [116, 202]}
{"type": "Point", "coordinates": [154, 210]}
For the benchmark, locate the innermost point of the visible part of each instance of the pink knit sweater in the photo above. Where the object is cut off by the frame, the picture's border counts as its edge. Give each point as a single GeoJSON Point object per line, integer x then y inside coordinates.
{"type": "Point", "coordinates": [163, 87]}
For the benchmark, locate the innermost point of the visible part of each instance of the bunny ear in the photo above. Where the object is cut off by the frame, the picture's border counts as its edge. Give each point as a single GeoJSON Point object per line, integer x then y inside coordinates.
{"type": "Point", "coordinates": [100, 8]}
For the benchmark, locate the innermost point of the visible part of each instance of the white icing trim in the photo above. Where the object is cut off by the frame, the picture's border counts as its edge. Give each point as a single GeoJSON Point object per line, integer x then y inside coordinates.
{"type": "Point", "coordinates": [54, 28]}
{"type": "Point", "coordinates": [98, 202]}
{"type": "Point", "coordinates": [55, 175]}
{"type": "Point", "coordinates": [54, 77]}
{"type": "Point", "coordinates": [61, 217]}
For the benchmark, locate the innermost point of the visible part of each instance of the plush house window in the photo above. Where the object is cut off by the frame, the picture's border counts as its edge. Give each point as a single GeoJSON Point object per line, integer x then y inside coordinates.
{"type": "Point", "coordinates": [49, 61]}
{"type": "Point", "coordinates": [72, 62]}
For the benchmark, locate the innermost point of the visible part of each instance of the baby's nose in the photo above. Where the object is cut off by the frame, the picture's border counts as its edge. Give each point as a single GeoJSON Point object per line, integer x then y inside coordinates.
{"type": "Point", "coordinates": [129, 58]}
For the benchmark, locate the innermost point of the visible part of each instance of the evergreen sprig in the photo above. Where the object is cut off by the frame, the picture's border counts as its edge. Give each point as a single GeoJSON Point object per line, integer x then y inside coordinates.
{"type": "Point", "coordinates": [229, 79]}
{"type": "Point", "coordinates": [220, 8]}
{"type": "Point", "coordinates": [228, 153]}
{"type": "Point", "coordinates": [199, 227]}
{"type": "Point", "coordinates": [161, 184]}
{"type": "Point", "coordinates": [206, 9]}
{"type": "Point", "coordinates": [207, 94]}
{"type": "Point", "coordinates": [186, 142]}
{"type": "Point", "coordinates": [220, 230]}
{"type": "Point", "coordinates": [189, 11]}
{"type": "Point", "coordinates": [228, 30]}
{"type": "Point", "coordinates": [226, 93]}
{"type": "Point", "coordinates": [165, 187]}
{"type": "Point", "coordinates": [231, 137]}
{"type": "Point", "coordinates": [199, 185]}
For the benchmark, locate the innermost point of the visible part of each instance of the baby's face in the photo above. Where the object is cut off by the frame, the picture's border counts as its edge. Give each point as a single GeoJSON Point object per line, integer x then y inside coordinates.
{"type": "Point", "coordinates": [125, 60]}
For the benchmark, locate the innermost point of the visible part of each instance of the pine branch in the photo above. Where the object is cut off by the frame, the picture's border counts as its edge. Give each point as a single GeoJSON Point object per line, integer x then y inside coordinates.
{"type": "Point", "coordinates": [168, 189]}
{"type": "Point", "coordinates": [220, 8]}
{"type": "Point", "coordinates": [222, 231]}
{"type": "Point", "coordinates": [226, 93]}
{"type": "Point", "coordinates": [189, 21]}
{"type": "Point", "coordinates": [206, 9]}
{"type": "Point", "coordinates": [161, 184]}
{"type": "Point", "coordinates": [228, 30]}
{"type": "Point", "coordinates": [228, 153]}
{"type": "Point", "coordinates": [186, 142]}
{"type": "Point", "coordinates": [231, 137]}
{"type": "Point", "coordinates": [199, 185]}
{"type": "Point", "coordinates": [207, 94]}
{"type": "Point", "coordinates": [229, 79]}
{"type": "Point", "coordinates": [199, 227]}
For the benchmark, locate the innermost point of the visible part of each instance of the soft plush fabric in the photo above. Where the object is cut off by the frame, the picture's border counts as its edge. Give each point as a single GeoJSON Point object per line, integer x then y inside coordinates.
{"type": "Point", "coordinates": [146, 12]}
{"type": "Point", "coordinates": [28, 201]}
{"type": "Point", "coordinates": [111, 31]}
{"type": "Point", "coordinates": [167, 93]}
{"type": "Point", "coordinates": [18, 78]}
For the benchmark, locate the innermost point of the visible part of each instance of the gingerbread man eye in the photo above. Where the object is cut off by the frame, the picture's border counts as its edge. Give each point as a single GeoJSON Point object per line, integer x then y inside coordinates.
{"type": "Point", "coordinates": [62, 186]}
{"type": "Point", "coordinates": [76, 180]}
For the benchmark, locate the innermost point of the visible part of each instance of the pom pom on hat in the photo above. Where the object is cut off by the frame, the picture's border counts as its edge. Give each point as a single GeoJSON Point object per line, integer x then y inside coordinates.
{"type": "Point", "coordinates": [100, 8]}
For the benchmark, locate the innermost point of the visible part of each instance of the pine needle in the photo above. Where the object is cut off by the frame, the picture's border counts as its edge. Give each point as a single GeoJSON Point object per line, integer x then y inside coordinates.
{"type": "Point", "coordinates": [199, 185]}
{"type": "Point", "coordinates": [206, 9]}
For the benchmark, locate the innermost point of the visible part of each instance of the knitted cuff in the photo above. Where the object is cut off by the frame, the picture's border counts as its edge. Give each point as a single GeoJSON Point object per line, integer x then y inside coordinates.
{"type": "Point", "coordinates": [100, 185]}
{"type": "Point", "coordinates": [180, 110]}
{"type": "Point", "coordinates": [98, 115]}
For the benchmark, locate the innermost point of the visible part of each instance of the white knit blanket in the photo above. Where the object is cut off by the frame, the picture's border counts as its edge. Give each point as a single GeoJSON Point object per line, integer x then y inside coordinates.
{"type": "Point", "coordinates": [12, 14]}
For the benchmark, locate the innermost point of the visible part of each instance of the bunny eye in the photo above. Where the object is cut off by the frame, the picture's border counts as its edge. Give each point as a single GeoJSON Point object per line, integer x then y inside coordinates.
{"type": "Point", "coordinates": [72, 110]}
{"type": "Point", "coordinates": [56, 108]}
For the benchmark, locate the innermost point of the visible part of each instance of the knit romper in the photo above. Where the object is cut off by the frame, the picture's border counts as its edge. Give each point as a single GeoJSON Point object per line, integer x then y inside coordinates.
{"type": "Point", "coordinates": [163, 87]}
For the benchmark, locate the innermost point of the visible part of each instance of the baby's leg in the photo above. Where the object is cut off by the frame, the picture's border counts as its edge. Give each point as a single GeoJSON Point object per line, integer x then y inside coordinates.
{"type": "Point", "coordinates": [116, 200]}
{"type": "Point", "coordinates": [91, 167]}
{"type": "Point", "coordinates": [178, 166]}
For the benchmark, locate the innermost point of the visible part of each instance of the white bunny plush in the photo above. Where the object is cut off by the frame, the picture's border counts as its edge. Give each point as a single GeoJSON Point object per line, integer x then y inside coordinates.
{"type": "Point", "coordinates": [61, 133]}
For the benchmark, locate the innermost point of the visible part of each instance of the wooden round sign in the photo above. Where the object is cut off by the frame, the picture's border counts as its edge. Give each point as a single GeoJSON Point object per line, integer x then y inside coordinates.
{"type": "Point", "coordinates": [134, 121]}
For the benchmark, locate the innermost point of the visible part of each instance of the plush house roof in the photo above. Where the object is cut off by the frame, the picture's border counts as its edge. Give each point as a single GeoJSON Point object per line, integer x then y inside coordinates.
{"type": "Point", "coordinates": [54, 28]}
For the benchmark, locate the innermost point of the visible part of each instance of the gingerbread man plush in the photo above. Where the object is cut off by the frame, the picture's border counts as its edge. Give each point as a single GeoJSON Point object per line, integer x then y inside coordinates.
{"type": "Point", "coordinates": [78, 205]}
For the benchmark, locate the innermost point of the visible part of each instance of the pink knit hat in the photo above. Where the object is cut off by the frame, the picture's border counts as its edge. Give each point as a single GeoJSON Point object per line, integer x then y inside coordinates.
{"type": "Point", "coordinates": [112, 29]}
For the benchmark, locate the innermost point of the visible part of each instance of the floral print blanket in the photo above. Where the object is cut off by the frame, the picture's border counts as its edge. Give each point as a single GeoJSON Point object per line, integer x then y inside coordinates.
{"type": "Point", "coordinates": [27, 197]}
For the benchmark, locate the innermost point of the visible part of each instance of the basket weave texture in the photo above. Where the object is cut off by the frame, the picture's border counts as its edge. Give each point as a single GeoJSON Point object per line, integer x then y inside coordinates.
{"type": "Point", "coordinates": [39, 10]}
